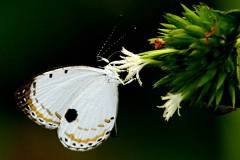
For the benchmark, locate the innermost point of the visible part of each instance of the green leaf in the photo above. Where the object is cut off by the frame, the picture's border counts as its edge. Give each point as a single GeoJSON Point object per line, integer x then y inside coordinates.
{"type": "Point", "coordinates": [187, 91]}
{"type": "Point", "coordinates": [219, 95]}
{"type": "Point", "coordinates": [177, 42]}
{"type": "Point", "coordinates": [232, 93]}
{"type": "Point", "coordinates": [237, 45]}
{"type": "Point", "coordinates": [229, 65]}
{"type": "Point", "coordinates": [195, 31]}
{"type": "Point", "coordinates": [191, 15]}
{"type": "Point", "coordinates": [194, 53]}
{"type": "Point", "coordinates": [198, 45]}
{"type": "Point", "coordinates": [204, 92]}
{"type": "Point", "coordinates": [207, 77]}
{"type": "Point", "coordinates": [213, 42]}
{"type": "Point", "coordinates": [165, 30]}
{"type": "Point", "coordinates": [221, 78]}
{"type": "Point", "coordinates": [206, 14]}
{"type": "Point", "coordinates": [160, 82]}
{"type": "Point", "coordinates": [154, 53]}
{"type": "Point", "coordinates": [168, 26]}
{"type": "Point", "coordinates": [177, 31]}
{"type": "Point", "coordinates": [176, 20]}
{"type": "Point", "coordinates": [213, 95]}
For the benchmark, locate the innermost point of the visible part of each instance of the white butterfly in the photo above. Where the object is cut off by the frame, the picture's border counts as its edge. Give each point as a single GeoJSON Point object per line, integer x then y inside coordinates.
{"type": "Point", "coordinates": [79, 101]}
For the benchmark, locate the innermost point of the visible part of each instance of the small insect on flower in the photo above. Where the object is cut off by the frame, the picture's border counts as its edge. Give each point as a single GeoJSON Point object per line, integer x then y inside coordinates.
{"type": "Point", "coordinates": [171, 105]}
{"type": "Point", "coordinates": [130, 63]}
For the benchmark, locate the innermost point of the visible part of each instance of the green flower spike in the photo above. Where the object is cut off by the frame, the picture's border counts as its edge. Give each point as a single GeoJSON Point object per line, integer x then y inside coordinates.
{"type": "Point", "coordinates": [200, 59]}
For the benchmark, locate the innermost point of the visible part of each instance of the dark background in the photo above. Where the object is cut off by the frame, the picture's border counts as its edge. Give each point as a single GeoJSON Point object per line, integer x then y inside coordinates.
{"type": "Point", "coordinates": [36, 36]}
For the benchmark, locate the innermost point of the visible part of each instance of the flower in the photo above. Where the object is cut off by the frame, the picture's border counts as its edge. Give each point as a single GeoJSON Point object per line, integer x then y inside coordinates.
{"type": "Point", "coordinates": [157, 43]}
{"type": "Point", "coordinates": [171, 105]}
{"type": "Point", "coordinates": [130, 63]}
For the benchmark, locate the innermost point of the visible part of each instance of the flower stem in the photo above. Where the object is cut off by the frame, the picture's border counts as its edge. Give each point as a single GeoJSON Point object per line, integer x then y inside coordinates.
{"type": "Point", "coordinates": [154, 53]}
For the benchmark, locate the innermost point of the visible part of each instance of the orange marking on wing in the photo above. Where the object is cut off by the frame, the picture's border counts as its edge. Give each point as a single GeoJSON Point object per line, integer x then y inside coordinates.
{"type": "Point", "coordinates": [43, 106]}
{"type": "Point", "coordinates": [100, 125]}
{"type": "Point", "coordinates": [40, 115]}
{"type": "Point", "coordinates": [58, 115]}
{"type": "Point", "coordinates": [79, 140]}
{"type": "Point", "coordinates": [107, 120]}
{"type": "Point", "coordinates": [85, 129]}
{"type": "Point", "coordinates": [49, 112]}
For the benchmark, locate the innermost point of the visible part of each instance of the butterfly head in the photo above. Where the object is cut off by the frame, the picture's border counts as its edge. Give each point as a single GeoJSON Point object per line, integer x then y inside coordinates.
{"type": "Point", "coordinates": [113, 74]}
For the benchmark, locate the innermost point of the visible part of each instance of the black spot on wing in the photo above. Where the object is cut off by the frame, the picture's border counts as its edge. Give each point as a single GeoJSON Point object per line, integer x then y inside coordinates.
{"type": "Point", "coordinates": [112, 118]}
{"type": "Point", "coordinates": [71, 115]}
{"type": "Point", "coordinates": [34, 84]}
{"type": "Point", "coordinates": [89, 144]}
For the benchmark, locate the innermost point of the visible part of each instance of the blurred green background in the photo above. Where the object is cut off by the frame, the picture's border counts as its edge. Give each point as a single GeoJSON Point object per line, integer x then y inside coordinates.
{"type": "Point", "coordinates": [38, 35]}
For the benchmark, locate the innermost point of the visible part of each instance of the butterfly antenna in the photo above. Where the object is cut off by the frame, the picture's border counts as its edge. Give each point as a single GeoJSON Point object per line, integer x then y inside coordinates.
{"type": "Point", "coordinates": [106, 42]}
{"type": "Point", "coordinates": [117, 42]}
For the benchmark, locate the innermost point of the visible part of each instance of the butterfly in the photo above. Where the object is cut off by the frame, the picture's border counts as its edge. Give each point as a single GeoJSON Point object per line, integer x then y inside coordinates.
{"type": "Point", "coordinates": [81, 102]}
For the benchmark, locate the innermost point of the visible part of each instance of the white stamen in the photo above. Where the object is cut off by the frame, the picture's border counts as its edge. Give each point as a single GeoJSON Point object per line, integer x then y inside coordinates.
{"type": "Point", "coordinates": [130, 63]}
{"type": "Point", "coordinates": [172, 105]}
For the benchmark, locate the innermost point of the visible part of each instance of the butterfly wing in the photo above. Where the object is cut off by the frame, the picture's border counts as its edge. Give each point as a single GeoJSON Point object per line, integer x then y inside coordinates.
{"type": "Point", "coordinates": [90, 118]}
{"type": "Point", "coordinates": [46, 98]}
